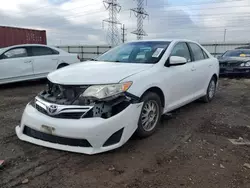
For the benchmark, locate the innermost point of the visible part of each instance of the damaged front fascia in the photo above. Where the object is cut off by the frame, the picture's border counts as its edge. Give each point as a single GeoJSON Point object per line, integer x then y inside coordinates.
{"type": "Point", "coordinates": [104, 108]}
{"type": "Point", "coordinates": [109, 107]}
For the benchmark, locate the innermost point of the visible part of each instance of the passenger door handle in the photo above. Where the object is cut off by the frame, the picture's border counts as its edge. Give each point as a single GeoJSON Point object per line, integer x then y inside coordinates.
{"type": "Point", "coordinates": [28, 61]}
{"type": "Point", "coordinates": [54, 59]}
{"type": "Point", "coordinates": [210, 65]}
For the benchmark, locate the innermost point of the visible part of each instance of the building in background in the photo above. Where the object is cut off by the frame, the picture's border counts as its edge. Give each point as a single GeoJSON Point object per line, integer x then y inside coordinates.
{"type": "Point", "coordinates": [13, 36]}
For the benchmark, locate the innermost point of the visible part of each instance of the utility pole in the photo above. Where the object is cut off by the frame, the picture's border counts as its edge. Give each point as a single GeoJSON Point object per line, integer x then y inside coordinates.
{"type": "Point", "coordinates": [225, 32]}
{"type": "Point", "coordinates": [113, 34]}
{"type": "Point", "coordinates": [123, 33]}
{"type": "Point", "coordinates": [141, 14]}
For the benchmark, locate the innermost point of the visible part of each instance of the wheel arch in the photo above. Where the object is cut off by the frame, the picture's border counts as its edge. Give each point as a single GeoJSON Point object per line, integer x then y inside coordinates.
{"type": "Point", "coordinates": [62, 64]}
{"type": "Point", "coordinates": [216, 77]}
{"type": "Point", "coordinates": [158, 91]}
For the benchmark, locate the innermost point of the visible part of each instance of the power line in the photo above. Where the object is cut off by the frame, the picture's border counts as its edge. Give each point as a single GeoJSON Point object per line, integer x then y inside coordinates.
{"type": "Point", "coordinates": [49, 6]}
{"type": "Point", "coordinates": [210, 15]}
{"type": "Point", "coordinates": [200, 4]}
{"type": "Point", "coordinates": [207, 8]}
{"type": "Point", "coordinates": [113, 35]}
{"type": "Point", "coordinates": [141, 14]}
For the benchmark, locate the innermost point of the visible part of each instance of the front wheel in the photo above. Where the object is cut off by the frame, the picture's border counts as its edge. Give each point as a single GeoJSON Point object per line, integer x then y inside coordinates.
{"type": "Point", "coordinates": [150, 115]}
{"type": "Point", "coordinates": [211, 89]}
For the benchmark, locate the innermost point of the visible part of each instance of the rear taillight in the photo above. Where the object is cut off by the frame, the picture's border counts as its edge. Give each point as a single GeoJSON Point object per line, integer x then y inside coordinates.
{"type": "Point", "coordinates": [78, 57]}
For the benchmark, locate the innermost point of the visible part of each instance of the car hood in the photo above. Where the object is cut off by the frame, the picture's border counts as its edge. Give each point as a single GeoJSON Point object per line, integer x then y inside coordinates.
{"type": "Point", "coordinates": [234, 59]}
{"type": "Point", "coordinates": [93, 72]}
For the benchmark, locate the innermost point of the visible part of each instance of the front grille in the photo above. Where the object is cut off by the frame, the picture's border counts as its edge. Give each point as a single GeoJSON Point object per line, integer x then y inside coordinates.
{"type": "Point", "coordinates": [70, 115]}
{"type": "Point", "coordinates": [63, 115]}
{"type": "Point", "coordinates": [226, 64]}
{"type": "Point", "coordinates": [55, 139]}
{"type": "Point", "coordinates": [40, 109]}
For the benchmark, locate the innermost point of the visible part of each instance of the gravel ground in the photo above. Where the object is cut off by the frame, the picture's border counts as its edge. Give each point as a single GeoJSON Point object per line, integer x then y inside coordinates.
{"type": "Point", "coordinates": [190, 148]}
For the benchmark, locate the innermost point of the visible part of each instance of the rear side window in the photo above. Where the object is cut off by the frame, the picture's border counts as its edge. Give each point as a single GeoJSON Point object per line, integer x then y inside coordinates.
{"type": "Point", "coordinates": [181, 49]}
{"type": "Point", "coordinates": [15, 53]}
{"type": "Point", "coordinates": [197, 52]}
{"type": "Point", "coordinates": [205, 54]}
{"type": "Point", "coordinates": [41, 51]}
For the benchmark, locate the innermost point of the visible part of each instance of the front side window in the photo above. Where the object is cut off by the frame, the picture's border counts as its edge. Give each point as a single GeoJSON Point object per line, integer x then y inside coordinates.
{"type": "Point", "coordinates": [181, 50]}
{"type": "Point", "coordinates": [136, 52]}
{"type": "Point", "coordinates": [40, 51]}
{"type": "Point", "coordinates": [15, 53]}
{"type": "Point", "coordinates": [1, 50]}
{"type": "Point", "coordinates": [197, 52]}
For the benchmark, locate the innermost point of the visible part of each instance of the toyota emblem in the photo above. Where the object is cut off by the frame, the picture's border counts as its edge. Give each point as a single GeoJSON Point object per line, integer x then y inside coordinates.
{"type": "Point", "coordinates": [52, 109]}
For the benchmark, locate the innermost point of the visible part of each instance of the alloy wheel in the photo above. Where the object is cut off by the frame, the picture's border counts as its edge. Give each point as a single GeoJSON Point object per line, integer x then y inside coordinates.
{"type": "Point", "coordinates": [211, 89]}
{"type": "Point", "coordinates": [150, 115]}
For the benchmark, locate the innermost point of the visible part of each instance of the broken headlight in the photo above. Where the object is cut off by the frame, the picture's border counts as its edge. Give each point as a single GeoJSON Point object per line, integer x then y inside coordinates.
{"type": "Point", "coordinates": [105, 91]}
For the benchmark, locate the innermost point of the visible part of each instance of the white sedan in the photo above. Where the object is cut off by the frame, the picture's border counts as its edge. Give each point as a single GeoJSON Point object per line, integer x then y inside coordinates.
{"type": "Point", "coordinates": [96, 106]}
{"type": "Point", "coordinates": [31, 61]}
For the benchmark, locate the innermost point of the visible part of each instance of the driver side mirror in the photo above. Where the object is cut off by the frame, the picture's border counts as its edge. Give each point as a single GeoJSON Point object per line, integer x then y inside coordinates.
{"type": "Point", "coordinates": [177, 60]}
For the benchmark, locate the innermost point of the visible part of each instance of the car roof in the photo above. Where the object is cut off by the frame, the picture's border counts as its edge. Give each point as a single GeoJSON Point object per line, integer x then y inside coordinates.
{"type": "Point", "coordinates": [24, 45]}
{"type": "Point", "coordinates": [28, 45]}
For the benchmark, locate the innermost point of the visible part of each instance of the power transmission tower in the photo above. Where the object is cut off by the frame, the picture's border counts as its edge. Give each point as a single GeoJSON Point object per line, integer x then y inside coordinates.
{"type": "Point", "coordinates": [141, 14]}
{"type": "Point", "coordinates": [123, 33]}
{"type": "Point", "coordinates": [113, 34]}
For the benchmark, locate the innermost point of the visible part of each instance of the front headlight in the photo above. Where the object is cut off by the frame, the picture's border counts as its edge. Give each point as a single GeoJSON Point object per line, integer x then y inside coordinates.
{"type": "Point", "coordinates": [247, 64]}
{"type": "Point", "coordinates": [104, 91]}
{"type": "Point", "coordinates": [242, 64]}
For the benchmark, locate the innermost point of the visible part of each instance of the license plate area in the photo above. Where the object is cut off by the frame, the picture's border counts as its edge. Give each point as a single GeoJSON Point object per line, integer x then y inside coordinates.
{"type": "Point", "coordinates": [47, 129]}
{"type": "Point", "coordinates": [229, 69]}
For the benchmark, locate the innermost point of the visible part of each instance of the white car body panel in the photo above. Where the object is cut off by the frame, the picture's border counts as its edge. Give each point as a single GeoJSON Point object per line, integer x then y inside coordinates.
{"type": "Point", "coordinates": [14, 68]}
{"type": "Point", "coordinates": [177, 90]}
{"type": "Point", "coordinates": [96, 73]}
{"type": "Point", "coordinates": [95, 130]}
{"type": "Point", "coordinates": [45, 64]}
{"type": "Point", "coordinates": [32, 67]}
{"type": "Point", "coordinates": [180, 85]}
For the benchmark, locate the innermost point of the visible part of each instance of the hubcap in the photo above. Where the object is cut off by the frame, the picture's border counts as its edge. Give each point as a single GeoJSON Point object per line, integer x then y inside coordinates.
{"type": "Point", "coordinates": [149, 116]}
{"type": "Point", "coordinates": [211, 89]}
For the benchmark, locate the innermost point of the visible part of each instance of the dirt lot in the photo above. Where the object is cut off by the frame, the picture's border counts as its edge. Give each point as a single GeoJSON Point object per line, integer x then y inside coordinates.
{"type": "Point", "coordinates": [190, 149]}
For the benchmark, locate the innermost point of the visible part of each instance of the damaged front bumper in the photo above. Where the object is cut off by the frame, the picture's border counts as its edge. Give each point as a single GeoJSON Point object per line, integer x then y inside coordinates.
{"type": "Point", "coordinates": [83, 129]}
{"type": "Point", "coordinates": [240, 71]}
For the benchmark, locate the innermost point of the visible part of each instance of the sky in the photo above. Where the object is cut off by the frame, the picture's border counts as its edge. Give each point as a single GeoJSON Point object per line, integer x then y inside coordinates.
{"type": "Point", "coordinates": [79, 22]}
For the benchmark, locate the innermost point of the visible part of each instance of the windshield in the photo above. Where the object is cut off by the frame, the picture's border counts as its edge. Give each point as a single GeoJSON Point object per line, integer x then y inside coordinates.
{"type": "Point", "coordinates": [237, 53]}
{"type": "Point", "coordinates": [1, 50]}
{"type": "Point", "coordinates": [136, 52]}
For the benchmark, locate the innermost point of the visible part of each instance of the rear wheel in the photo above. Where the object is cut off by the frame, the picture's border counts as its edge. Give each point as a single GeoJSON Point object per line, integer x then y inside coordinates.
{"type": "Point", "coordinates": [150, 115]}
{"type": "Point", "coordinates": [211, 89]}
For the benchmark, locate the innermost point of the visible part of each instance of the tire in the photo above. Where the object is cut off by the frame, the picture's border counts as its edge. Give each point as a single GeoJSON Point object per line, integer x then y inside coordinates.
{"type": "Point", "coordinates": [211, 89]}
{"type": "Point", "coordinates": [62, 65]}
{"type": "Point", "coordinates": [151, 101]}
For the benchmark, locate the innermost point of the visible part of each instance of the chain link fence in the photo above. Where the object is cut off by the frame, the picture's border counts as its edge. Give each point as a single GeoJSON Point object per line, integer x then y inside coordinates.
{"type": "Point", "coordinates": [88, 52]}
